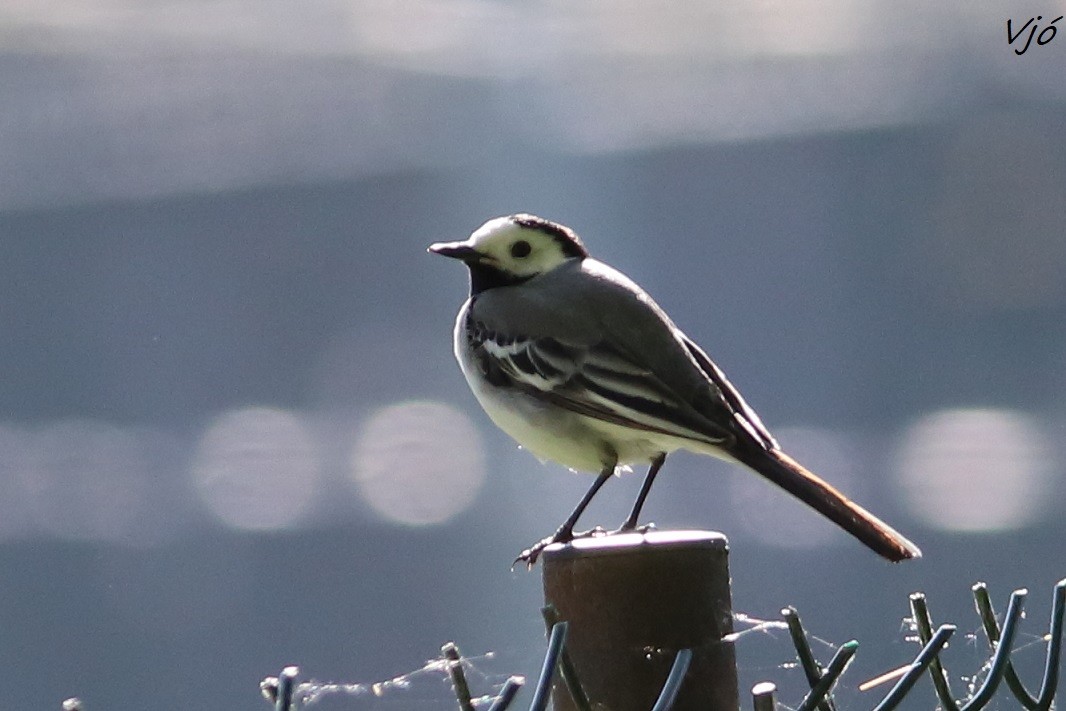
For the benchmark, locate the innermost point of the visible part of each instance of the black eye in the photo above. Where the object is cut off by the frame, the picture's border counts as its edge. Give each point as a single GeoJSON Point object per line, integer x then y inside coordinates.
{"type": "Point", "coordinates": [520, 249]}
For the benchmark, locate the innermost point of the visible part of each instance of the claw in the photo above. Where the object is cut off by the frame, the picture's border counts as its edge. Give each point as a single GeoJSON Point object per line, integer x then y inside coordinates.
{"type": "Point", "coordinates": [530, 555]}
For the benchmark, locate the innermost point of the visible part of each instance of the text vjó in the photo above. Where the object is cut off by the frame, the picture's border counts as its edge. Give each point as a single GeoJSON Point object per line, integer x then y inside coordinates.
{"type": "Point", "coordinates": [1050, 31]}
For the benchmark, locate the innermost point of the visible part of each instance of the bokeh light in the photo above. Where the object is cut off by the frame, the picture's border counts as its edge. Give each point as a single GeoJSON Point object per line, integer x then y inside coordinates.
{"type": "Point", "coordinates": [976, 470]}
{"type": "Point", "coordinates": [418, 463]}
{"type": "Point", "coordinates": [87, 480]}
{"type": "Point", "coordinates": [16, 519]}
{"type": "Point", "coordinates": [257, 468]}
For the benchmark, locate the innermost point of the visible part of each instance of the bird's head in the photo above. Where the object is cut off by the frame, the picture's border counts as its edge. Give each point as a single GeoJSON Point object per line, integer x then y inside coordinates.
{"type": "Point", "coordinates": [511, 250]}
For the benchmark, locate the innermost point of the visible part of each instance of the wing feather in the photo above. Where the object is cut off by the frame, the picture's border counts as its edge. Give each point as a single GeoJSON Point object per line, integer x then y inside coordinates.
{"type": "Point", "coordinates": [597, 381]}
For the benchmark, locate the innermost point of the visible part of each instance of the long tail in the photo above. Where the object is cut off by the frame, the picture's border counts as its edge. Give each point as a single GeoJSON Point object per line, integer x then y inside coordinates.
{"type": "Point", "coordinates": [784, 471]}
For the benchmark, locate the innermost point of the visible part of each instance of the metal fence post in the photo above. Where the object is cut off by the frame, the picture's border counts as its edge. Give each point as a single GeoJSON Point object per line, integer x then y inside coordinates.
{"type": "Point", "coordinates": [633, 602]}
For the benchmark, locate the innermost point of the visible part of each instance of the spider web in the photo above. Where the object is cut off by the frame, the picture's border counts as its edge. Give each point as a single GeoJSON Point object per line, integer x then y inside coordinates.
{"type": "Point", "coordinates": [430, 686]}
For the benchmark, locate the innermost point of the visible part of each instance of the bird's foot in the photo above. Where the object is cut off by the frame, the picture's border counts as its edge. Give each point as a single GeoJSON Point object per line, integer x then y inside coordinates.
{"type": "Point", "coordinates": [631, 528]}
{"type": "Point", "coordinates": [530, 555]}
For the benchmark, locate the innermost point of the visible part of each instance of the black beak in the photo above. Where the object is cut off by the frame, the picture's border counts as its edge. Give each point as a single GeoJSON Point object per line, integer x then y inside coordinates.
{"type": "Point", "coordinates": [455, 250]}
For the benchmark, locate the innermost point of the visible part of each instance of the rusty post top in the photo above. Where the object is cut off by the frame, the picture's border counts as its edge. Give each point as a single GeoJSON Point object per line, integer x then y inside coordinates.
{"type": "Point", "coordinates": [630, 543]}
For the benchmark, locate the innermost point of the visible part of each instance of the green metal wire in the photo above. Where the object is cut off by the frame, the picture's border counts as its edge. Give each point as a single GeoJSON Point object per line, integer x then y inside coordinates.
{"type": "Point", "coordinates": [566, 664]}
{"type": "Point", "coordinates": [458, 676]}
{"type": "Point", "coordinates": [674, 679]}
{"type": "Point", "coordinates": [811, 668]}
{"type": "Point", "coordinates": [286, 683]}
{"type": "Point", "coordinates": [542, 694]}
{"type": "Point", "coordinates": [924, 623]}
{"type": "Point", "coordinates": [1049, 682]}
{"type": "Point", "coordinates": [762, 696]}
{"type": "Point", "coordinates": [1001, 656]}
{"type": "Point", "coordinates": [983, 602]}
{"type": "Point", "coordinates": [507, 694]}
{"type": "Point", "coordinates": [836, 667]}
{"type": "Point", "coordinates": [918, 666]}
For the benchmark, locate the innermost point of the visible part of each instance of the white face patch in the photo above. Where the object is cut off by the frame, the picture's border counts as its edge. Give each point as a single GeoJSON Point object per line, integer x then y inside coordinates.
{"type": "Point", "coordinates": [517, 249]}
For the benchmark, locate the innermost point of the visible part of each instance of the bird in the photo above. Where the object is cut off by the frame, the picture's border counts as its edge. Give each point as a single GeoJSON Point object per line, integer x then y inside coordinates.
{"type": "Point", "coordinates": [580, 366]}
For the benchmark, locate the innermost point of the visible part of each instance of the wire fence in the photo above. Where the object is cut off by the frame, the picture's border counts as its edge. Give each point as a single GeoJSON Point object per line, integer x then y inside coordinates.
{"type": "Point", "coordinates": [282, 691]}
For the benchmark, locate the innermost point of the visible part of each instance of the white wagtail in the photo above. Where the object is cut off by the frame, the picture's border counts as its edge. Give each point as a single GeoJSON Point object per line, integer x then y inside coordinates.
{"type": "Point", "coordinates": [579, 365]}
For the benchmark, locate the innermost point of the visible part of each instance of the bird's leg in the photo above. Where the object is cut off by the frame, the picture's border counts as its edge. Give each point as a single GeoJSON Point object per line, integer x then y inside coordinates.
{"type": "Point", "coordinates": [565, 533]}
{"type": "Point", "coordinates": [630, 523]}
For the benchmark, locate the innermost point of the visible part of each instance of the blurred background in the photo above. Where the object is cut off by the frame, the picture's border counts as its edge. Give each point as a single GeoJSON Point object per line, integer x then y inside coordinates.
{"type": "Point", "coordinates": [232, 435]}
